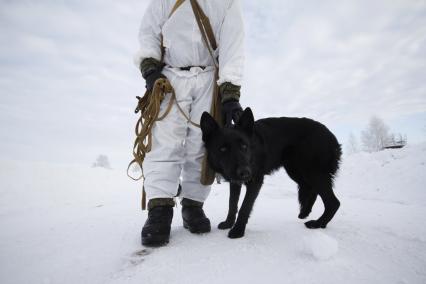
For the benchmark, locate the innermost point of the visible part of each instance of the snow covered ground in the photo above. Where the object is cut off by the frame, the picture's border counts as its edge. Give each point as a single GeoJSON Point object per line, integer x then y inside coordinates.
{"type": "Point", "coordinates": [68, 224]}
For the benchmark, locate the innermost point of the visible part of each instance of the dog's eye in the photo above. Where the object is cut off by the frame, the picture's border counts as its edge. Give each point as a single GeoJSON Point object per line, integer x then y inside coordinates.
{"type": "Point", "coordinates": [244, 147]}
{"type": "Point", "coordinates": [223, 149]}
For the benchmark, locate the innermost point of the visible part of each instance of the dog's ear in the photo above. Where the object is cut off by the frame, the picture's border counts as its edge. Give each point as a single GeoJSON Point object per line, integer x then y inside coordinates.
{"type": "Point", "coordinates": [208, 125]}
{"type": "Point", "coordinates": [246, 122]}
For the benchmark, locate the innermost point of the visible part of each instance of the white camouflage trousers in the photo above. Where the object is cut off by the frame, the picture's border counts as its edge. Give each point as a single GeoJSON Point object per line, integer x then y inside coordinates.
{"type": "Point", "coordinates": [177, 148]}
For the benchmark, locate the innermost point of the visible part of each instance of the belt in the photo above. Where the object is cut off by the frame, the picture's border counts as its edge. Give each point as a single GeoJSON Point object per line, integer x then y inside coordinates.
{"type": "Point", "coordinates": [187, 68]}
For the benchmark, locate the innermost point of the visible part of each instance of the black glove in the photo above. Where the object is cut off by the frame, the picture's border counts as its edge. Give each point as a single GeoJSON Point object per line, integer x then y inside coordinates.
{"type": "Point", "coordinates": [231, 111]}
{"type": "Point", "coordinates": [151, 78]}
{"type": "Point", "coordinates": [231, 108]}
{"type": "Point", "coordinates": [151, 71]}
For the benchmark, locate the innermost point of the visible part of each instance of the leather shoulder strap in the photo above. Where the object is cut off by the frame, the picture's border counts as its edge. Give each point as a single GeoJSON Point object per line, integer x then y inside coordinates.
{"type": "Point", "coordinates": [204, 26]}
{"type": "Point", "coordinates": [176, 6]}
{"type": "Point", "coordinates": [205, 29]}
{"type": "Point", "coordinates": [206, 23]}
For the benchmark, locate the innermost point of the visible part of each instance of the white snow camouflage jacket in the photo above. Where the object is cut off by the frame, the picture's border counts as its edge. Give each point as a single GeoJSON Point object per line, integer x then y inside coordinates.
{"type": "Point", "coordinates": [183, 41]}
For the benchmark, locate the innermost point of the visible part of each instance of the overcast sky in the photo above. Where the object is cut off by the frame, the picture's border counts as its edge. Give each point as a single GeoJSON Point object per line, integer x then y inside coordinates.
{"type": "Point", "coordinates": [67, 80]}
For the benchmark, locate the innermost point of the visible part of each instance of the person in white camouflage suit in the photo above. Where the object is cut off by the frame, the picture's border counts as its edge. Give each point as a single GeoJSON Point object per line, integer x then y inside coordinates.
{"type": "Point", "coordinates": [177, 148]}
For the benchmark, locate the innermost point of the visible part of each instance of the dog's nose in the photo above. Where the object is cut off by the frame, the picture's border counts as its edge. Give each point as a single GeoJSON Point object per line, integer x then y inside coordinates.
{"type": "Point", "coordinates": [244, 173]}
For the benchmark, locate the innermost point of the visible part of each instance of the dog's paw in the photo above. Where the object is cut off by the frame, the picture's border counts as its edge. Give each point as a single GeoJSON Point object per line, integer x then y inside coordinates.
{"type": "Point", "coordinates": [236, 232]}
{"type": "Point", "coordinates": [225, 225]}
{"type": "Point", "coordinates": [315, 224]}
{"type": "Point", "coordinates": [303, 215]}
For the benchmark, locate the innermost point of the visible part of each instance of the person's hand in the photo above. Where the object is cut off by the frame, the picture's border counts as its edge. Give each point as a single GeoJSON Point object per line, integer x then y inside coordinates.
{"type": "Point", "coordinates": [151, 72]}
{"type": "Point", "coordinates": [231, 111]}
{"type": "Point", "coordinates": [231, 108]}
{"type": "Point", "coordinates": [151, 78]}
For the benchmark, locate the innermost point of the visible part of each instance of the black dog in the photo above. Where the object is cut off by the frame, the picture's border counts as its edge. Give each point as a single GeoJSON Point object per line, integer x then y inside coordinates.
{"type": "Point", "coordinates": [307, 150]}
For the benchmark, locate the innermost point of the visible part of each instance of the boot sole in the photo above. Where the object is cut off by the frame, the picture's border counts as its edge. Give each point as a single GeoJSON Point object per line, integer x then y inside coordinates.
{"type": "Point", "coordinates": [202, 228]}
{"type": "Point", "coordinates": [155, 241]}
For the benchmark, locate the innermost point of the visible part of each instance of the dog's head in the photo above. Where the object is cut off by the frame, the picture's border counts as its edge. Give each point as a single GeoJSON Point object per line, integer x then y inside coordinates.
{"type": "Point", "coordinates": [229, 150]}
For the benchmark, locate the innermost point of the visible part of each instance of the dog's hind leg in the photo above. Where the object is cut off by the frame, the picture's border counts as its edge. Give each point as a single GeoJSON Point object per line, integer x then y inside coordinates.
{"type": "Point", "coordinates": [252, 192]}
{"type": "Point", "coordinates": [324, 185]}
{"type": "Point", "coordinates": [234, 196]}
{"type": "Point", "coordinates": [307, 198]}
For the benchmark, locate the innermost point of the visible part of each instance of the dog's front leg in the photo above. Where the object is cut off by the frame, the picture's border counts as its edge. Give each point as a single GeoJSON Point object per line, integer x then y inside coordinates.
{"type": "Point", "coordinates": [234, 196]}
{"type": "Point", "coordinates": [240, 226]}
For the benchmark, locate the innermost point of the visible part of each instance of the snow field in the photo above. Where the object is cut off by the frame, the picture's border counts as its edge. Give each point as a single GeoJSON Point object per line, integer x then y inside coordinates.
{"type": "Point", "coordinates": [73, 224]}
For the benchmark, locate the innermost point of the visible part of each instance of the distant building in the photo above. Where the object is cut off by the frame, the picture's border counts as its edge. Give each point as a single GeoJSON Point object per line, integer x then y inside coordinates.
{"type": "Point", "coordinates": [395, 141]}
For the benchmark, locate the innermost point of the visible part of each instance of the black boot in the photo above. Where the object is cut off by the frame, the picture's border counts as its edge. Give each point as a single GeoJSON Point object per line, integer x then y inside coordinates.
{"type": "Point", "coordinates": [156, 231]}
{"type": "Point", "coordinates": [193, 217]}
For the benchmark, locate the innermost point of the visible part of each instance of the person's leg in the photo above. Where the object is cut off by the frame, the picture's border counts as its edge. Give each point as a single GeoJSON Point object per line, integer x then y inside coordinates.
{"type": "Point", "coordinates": [163, 164]}
{"type": "Point", "coordinates": [194, 148]}
{"type": "Point", "coordinates": [193, 192]}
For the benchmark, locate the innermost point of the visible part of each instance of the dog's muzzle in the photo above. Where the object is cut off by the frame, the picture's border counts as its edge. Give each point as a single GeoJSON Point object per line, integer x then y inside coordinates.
{"type": "Point", "coordinates": [244, 173]}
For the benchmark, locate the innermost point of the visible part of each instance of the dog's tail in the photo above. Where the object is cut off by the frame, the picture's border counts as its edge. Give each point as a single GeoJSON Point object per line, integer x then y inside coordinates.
{"type": "Point", "coordinates": [335, 159]}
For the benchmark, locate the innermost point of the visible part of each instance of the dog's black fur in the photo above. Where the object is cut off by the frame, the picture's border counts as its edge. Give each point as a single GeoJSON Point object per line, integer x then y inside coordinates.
{"type": "Point", "coordinates": [307, 150]}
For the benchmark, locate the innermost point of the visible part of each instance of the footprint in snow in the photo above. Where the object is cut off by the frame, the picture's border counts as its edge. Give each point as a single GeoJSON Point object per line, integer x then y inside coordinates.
{"type": "Point", "coordinates": [138, 257]}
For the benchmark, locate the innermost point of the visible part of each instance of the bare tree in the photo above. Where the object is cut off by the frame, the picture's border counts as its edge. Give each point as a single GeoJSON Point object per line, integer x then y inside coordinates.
{"type": "Point", "coordinates": [352, 146]}
{"type": "Point", "coordinates": [375, 136]}
{"type": "Point", "coordinates": [102, 161]}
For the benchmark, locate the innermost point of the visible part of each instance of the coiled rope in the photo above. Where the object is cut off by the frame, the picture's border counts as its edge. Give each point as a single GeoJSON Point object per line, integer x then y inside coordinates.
{"type": "Point", "coordinates": [149, 108]}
